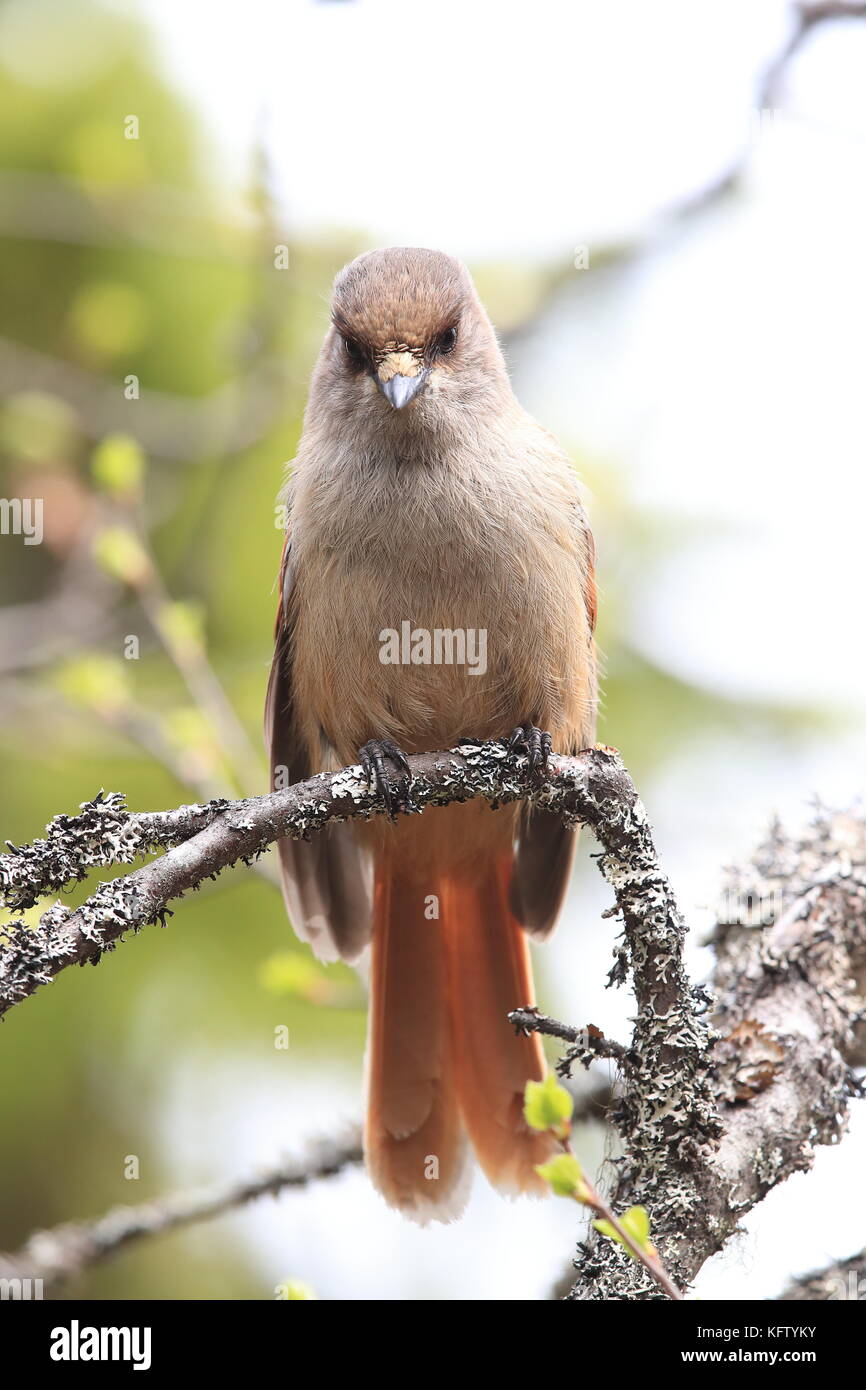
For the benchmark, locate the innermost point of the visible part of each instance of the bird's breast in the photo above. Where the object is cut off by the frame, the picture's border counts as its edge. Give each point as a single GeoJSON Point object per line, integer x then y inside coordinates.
{"type": "Point", "coordinates": [428, 610]}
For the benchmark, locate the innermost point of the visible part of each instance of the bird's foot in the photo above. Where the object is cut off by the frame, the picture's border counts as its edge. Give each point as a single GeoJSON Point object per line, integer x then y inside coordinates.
{"type": "Point", "coordinates": [372, 759]}
{"type": "Point", "coordinates": [537, 743]}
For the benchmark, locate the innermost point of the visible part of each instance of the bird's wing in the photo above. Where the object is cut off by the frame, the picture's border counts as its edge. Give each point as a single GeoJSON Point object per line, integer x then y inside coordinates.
{"type": "Point", "coordinates": [545, 845]}
{"type": "Point", "coordinates": [327, 881]}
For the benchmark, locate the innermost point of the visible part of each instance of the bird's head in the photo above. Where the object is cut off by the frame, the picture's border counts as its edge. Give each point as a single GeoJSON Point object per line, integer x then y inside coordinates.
{"type": "Point", "coordinates": [410, 335]}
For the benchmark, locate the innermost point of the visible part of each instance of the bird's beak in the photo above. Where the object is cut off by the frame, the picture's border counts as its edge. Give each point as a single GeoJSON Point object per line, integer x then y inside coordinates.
{"type": "Point", "coordinates": [400, 378]}
{"type": "Point", "coordinates": [400, 390]}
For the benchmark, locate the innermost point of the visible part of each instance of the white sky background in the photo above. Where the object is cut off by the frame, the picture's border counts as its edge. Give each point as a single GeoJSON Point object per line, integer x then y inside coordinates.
{"type": "Point", "coordinates": [727, 382]}
{"type": "Point", "coordinates": [486, 127]}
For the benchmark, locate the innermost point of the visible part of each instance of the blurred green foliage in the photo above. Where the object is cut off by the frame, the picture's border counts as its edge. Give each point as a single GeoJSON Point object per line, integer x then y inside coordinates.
{"type": "Point", "coordinates": [126, 256]}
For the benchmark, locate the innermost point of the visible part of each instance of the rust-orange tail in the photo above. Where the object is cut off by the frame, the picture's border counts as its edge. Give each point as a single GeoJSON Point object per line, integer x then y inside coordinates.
{"type": "Point", "coordinates": [449, 963]}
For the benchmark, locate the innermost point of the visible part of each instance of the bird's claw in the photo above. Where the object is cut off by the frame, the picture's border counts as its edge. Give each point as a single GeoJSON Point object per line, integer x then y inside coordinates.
{"type": "Point", "coordinates": [537, 742]}
{"type": "Point", "coordinates": [372, 759]}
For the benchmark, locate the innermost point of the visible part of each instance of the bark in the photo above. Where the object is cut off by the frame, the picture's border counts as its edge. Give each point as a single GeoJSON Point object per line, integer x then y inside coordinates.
{"type": "Point", "coordinates": [712, 1110]}
{"type": "Point", "coordinates": [202, 840]}
{"type": "Point", "coordinates": [786, 1013]}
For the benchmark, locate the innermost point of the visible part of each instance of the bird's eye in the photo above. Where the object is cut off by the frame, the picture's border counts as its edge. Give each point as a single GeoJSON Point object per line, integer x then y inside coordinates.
{"type": "Point", "coordinates": [446, 341]}
{"type": "Point", "coordinates": [355, 352]}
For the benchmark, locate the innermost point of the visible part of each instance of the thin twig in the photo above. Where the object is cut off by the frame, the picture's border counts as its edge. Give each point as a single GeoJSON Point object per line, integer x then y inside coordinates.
{"type": "Point", "coordinates": [205, 688]}
{"type": "Point", "coordinates": [590, 1041]}
{"type": "Point", "coordinates": [59, 1254]}
{"type": "Point", "coordinates": [648, 1257]}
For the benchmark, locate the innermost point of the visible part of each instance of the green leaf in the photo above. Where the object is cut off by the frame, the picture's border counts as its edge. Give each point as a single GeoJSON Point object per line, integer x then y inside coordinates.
{"type": "Point", "coordinates": [182, 625]}
{"type": "Point", "coordinates": [117, 466]}
{"type": "Point", "coordinates": [119, 552]}
{"type": "Point", "coordinates": [604, 1228]}
{"type": "Point", "coordinates": [636, 1223]}
{"type": "Point", "coordinates": [547, 1105]}
{"type": "Point", "coordinates": [295, 1291]}
{"type": "Point", "coordinates": [95, 681]}
{"type": "Point", "coordinates": [565, 1176]}
{"type": "Point", "coordinates": [38, 427]}
{"type": "Point", "coordinates": [291, 973]}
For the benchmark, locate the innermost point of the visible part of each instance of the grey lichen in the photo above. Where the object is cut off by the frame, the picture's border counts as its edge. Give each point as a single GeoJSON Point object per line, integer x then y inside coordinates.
{"type": "Point", "coordinates": [786, 1026]}
{"type": "Point", "coordinates": [693, 1155]}
{"type": "Point", "coordinates": [103, 833]}
{"type": "Point", "coordinates": [202, 840]}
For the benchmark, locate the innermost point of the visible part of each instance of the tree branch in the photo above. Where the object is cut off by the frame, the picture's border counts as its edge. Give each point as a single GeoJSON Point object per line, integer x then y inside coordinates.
{"type": "Point", "coordinates": [58, 1255]}
{"type": "Point", "coordinates": [590, 1042]}
{"type": "Point", "coordinates": [708, 1122]}
{"type": "Point", "coordinates": [842, 1281]}
{"type": "Point", "coordinates": [202, 840]}
{"type": "Point", "coordinates": [788, 1007]}
{"type": "Point", "coordinates": [62, 1253]}
{"type": "Point", "coordinates": [667, 1103]}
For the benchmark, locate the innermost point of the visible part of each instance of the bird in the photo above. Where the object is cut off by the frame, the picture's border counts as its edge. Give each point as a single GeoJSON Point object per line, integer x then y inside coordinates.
{"type": "Point", "coordinates": [423, 499]}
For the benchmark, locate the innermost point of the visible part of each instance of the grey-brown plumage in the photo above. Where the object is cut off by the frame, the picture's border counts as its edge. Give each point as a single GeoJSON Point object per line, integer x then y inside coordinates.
{"type": "Point", "coordinates": [422, 492]}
